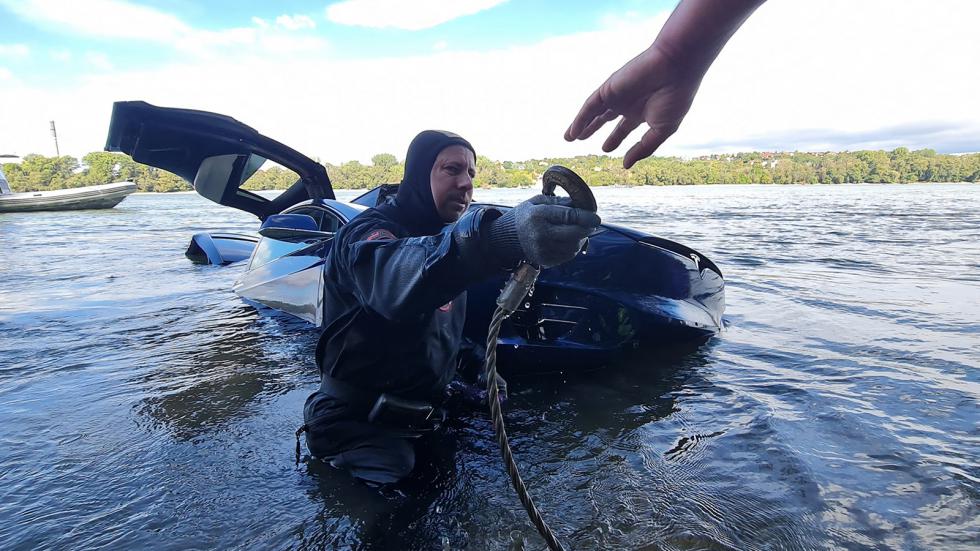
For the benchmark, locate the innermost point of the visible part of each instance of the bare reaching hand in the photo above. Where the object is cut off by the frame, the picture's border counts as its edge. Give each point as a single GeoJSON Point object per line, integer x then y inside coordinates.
{"type": "Point", "coordinates": [650, 89]}
{"type": "Point", "coordinates": [658, 86]}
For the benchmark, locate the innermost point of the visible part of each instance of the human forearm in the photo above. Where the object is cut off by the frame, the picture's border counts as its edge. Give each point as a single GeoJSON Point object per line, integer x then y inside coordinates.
{"type": "Point", "coordinates": [697, 31]}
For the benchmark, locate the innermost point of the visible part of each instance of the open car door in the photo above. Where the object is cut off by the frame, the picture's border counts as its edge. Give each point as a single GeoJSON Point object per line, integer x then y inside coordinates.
{"type": "Point", "coordinates": [215, 153]}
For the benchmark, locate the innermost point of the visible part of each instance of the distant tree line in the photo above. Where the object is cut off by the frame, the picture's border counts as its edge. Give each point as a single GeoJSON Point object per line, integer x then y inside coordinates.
{"type": "Point", "coordinates": [900, 165]}
{"type": "Point", "coordinates": [40, 173]}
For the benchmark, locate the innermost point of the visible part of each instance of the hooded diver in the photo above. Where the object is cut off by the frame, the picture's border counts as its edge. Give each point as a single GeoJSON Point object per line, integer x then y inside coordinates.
{"type": "Point", "coordinates": [396, 304]}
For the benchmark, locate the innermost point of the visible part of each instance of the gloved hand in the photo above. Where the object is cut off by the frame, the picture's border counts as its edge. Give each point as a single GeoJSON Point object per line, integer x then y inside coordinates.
{"type": "Point", "coordinates": [544, 230]}
{"type": "Point", "coordinates": [501, 386]}
{"type": "Point", "coordinates": [460, 395]}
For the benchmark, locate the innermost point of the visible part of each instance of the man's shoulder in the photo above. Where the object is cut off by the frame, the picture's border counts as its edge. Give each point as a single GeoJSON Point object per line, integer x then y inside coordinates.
{"type": "Point", "coordinates": [370, 225]}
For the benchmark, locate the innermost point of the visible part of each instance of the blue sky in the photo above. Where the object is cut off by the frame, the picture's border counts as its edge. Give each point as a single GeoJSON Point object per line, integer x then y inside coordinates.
{"type": "Point", "coordinates": [345, 80]}
{"type": "Point", "coordinates": [65, 50]}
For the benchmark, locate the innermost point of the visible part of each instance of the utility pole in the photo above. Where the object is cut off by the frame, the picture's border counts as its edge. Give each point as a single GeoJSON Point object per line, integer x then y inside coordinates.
{"type": "Point", "coordinates": [54, 134]}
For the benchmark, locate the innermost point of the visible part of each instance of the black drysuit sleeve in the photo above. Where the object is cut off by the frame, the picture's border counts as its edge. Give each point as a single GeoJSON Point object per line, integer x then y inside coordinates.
{"type": "Point", "coordinates": [405, 279]}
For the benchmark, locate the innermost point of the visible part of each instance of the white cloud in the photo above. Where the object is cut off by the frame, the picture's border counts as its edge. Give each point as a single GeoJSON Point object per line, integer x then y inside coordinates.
{"type": "Point", "coordinates": [61, 55]}
{"type": "Point", "coordinates": [101, 18]}
{"type": "Point", "coordinates": [209, 43]}
{"type": "Point", "coordinates": [295, 22]}
{"type": "Point", "coordinates": [831, 75]}
{"type": "Point", "coordinates": [121, 20]}
{"type": "Point", "coordinates": [440, 45]}
{"type": "Point", "coordinates": [412, 15]}
{"type": "Point", "coordinates": [5, 74]}
{"type": "Point", "coordinates": [14, 50]}
{"type": "Point", "coordinates": [233, 45]}
{"type": "Point", "coordinates": [98, 60]}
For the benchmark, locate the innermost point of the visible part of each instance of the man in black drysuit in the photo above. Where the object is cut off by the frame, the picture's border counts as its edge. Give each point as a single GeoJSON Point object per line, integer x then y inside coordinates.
{"type": "Point", "coordinates": [395, 303]}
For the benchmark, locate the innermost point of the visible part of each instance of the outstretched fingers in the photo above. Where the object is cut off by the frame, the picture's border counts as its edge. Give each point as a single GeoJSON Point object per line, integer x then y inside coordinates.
{"type": "Point", "coordinates": [649, 143]}
{"type": "Point", "coordinates": [593, 108]}
{"type": "Point", "coordinates": [623, 129]}
{"type": "Point", "coordinates": [598, 123]}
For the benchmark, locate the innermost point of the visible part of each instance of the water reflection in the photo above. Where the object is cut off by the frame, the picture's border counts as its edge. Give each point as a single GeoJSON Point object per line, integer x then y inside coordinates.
{"type": "Point", "coordinates": [145, 406]}
{"type": "Point", "coordinates": [213, 369]}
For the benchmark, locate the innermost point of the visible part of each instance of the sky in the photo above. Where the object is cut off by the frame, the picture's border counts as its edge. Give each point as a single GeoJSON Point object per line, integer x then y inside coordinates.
{"type": "Point", "coordinates": [345, 80]}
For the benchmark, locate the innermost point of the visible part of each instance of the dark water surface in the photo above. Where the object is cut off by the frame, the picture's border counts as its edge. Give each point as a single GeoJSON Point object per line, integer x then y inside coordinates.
{"type": "Point", "coordinates": [143, 405]}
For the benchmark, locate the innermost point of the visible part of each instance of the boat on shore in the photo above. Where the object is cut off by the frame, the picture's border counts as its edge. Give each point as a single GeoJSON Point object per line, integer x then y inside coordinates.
{"type": "Point", "coordinates": [104, 196]}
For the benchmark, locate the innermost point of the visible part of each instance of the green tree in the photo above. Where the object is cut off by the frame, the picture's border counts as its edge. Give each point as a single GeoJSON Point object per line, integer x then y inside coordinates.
{"type": "Point", "coordinates": [387, 169]}
{"type": "Point", "coordinates": [37, 172]}
{"type": "Point", "coordinates": [489, 173]}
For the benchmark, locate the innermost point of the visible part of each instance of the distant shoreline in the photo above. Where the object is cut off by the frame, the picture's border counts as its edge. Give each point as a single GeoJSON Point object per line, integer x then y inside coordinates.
{"type": "Point", "coordinates": [899, 165]}
{"type": "Point", "coordinates": [626, 186]}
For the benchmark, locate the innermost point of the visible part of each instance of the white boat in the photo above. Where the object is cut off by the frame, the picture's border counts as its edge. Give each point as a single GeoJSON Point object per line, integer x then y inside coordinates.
{"type": "Point", "coordinates": [103, 196]}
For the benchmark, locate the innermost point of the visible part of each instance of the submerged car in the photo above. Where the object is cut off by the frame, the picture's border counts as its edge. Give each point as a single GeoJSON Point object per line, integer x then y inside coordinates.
{"type": "Point", "coordinates": [629, 290]}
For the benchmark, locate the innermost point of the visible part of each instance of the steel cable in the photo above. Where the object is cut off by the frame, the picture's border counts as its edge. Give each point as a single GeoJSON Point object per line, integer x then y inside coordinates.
{"type": "Point", "coordinates": [490, 368]}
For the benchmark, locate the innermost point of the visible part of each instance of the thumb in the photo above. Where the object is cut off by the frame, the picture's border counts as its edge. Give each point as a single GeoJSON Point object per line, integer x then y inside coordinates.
{"type": "Point", "coordinates": [569, 216]}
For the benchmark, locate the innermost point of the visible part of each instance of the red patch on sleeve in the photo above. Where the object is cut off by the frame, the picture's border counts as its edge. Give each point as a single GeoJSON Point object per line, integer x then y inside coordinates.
{"type": "Point", "coordinates": [380, 234]}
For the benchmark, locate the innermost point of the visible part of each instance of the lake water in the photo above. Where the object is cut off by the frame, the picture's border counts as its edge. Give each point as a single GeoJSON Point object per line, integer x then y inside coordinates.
{"type": "Point", "coordinates": [144, 405]}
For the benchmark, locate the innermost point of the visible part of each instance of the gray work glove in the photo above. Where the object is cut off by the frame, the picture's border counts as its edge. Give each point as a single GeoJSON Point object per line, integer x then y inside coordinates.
{"type": "Point", "coordinates": [544, 230]}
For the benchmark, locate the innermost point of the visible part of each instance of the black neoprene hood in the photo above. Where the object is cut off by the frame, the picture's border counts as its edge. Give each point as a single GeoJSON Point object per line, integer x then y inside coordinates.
{"type": "Point", "coordinates": [415, 207]}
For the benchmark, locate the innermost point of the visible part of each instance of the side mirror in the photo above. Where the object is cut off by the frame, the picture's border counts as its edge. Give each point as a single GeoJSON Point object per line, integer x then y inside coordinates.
{"type": "Point", "coordinates": [292, 227]}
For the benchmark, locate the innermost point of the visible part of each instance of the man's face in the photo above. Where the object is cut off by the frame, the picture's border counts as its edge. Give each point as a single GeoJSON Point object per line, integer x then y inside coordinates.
{"type": "Point", "coordinates": [452, 182]}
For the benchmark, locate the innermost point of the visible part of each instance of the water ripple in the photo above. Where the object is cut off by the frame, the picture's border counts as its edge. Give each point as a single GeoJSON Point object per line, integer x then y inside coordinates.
{"type": "Point", "coordinates": [146, 406]}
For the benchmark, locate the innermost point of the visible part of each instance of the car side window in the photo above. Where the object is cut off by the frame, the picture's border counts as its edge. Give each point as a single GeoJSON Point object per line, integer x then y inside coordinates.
{"type": "Point", "coordinates": [326, 220]}
{"type": "Point", "coordinates": [330, 222]}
